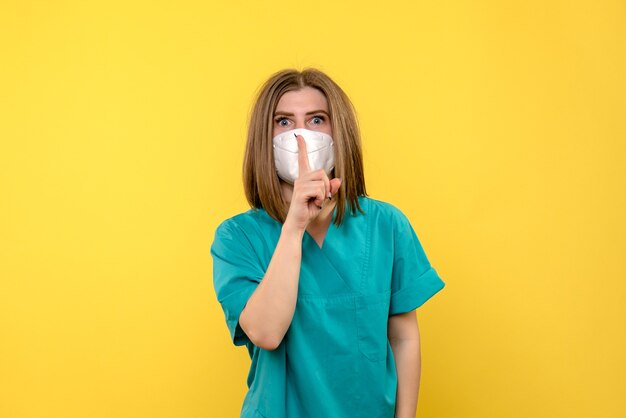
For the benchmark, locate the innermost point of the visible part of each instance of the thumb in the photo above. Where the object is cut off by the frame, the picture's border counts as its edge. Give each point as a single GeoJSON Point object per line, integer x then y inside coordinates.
{"type": "Point", "coordinates": [334, 185]}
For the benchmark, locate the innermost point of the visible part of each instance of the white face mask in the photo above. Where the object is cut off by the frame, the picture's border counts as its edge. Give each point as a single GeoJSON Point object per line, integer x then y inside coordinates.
{"type": "Point", "coordinates": [319, 148]}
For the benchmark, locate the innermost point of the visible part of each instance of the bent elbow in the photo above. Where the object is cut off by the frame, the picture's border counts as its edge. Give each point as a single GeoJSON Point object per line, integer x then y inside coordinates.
{"type": "Point", "coordinates": [269, 344]}
{"type": "Point", "coordinates": [262, 340]}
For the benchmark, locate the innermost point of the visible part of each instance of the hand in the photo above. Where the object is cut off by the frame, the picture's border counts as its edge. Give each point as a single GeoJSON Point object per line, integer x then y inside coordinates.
{"type": "Point", "coordinates": [310, 191]}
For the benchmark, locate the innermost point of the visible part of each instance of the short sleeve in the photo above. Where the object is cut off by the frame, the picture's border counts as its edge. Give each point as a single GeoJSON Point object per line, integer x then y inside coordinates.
{"type": "Point", "coordinates": [413, 280]}
{"type": "Point", "coordinates": [236, 274]}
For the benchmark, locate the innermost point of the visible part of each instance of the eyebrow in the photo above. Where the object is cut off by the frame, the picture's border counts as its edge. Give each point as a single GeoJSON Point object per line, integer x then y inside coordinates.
{"type": "Point", "coordinates": [279, 112]}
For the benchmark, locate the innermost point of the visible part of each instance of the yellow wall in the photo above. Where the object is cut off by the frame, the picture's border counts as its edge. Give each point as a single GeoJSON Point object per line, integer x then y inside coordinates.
{"type": "Point", "coordinates": [497, 127]}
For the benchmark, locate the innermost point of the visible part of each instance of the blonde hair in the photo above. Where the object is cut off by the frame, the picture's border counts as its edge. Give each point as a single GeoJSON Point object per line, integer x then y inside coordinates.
{"type": "Point", "coordinates": [261, 183]}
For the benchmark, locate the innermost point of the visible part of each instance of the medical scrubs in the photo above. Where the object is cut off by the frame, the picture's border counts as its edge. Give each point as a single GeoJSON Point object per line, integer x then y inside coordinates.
{"type": "Point", "coordinates": [335, 360]}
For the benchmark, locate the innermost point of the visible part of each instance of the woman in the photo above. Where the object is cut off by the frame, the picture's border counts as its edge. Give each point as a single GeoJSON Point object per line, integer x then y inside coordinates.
{"type": "Point", "coordinates": [319, 281]}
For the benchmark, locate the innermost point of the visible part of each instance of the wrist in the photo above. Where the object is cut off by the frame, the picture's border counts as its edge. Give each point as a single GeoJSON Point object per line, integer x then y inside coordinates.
{"type": "Point", "coordinates": [292, 231]}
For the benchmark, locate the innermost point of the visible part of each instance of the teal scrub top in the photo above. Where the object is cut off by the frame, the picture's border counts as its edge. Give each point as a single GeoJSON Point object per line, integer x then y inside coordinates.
{"type": "Point", "coordinates": [335, 360]}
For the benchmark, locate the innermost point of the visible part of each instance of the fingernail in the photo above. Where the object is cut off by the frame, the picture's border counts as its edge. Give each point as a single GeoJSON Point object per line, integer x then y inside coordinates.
{"type": "Point", "coordinates": [329, 195]}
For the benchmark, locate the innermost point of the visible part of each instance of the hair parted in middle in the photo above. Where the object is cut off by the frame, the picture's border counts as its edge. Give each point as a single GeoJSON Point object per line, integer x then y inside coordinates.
{"type": "Point", "coordinates": [261, 183]}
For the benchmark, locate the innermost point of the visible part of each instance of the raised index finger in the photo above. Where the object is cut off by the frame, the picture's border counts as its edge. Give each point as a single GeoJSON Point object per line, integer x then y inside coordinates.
{"type": "Point", "coordinates": [303, 156]}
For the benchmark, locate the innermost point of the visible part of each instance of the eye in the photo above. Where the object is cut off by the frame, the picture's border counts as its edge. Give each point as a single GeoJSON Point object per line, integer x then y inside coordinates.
{"type": "Point", "coordinates": [317, 120]}
{"type": "Point", "coordinates": [282, 121]}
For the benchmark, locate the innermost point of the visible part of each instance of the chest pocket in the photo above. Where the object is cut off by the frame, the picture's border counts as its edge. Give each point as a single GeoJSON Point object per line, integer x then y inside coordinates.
{"type": "Point", "coordinates": [322, 356]}
{"type": "Point", "coordinates": [372, 312]}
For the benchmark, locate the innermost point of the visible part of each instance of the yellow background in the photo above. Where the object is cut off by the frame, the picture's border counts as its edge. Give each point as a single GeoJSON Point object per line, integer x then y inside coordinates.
{"type": "Point", "coordinates": [497, 127]}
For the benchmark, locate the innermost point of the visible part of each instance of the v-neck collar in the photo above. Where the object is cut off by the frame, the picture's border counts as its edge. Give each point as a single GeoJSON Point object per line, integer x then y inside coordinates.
{"type": "Point", "coordinates": [308, 237]}
{"type": "Point", "coordinates": [331, 228]}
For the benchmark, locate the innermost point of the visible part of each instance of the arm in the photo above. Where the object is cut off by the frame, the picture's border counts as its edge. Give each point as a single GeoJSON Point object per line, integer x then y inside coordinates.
{"type": "Point", "coordinates": [268, 313]}
{"type": "Point", "coordinates": [403, 334]}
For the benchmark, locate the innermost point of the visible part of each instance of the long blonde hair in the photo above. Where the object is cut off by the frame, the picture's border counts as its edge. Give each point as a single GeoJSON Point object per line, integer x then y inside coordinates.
{"type": "Point", "coordinates": [261, 183]}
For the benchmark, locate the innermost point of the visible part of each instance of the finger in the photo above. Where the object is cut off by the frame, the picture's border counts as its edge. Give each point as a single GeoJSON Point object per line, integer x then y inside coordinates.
{"type": "Point", "coordinates": [314, 192]}
{"type": "Point", "coordinates": [309, 190]}
{"type": "Point", "coordinates": [319, 175]}
{"type": "Point", "coordinates": [320, 199]}
{"type": "Point", "coordinates": [326, 181]}
{"type": "Point", "coordinates": [303, 156]}
{"type": "Point", "coordinates": [335, 184]}
{"type": "Point", "coordinates": [322, 195]}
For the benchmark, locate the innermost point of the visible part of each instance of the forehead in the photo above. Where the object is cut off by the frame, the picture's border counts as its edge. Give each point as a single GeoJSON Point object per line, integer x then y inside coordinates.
{"type": "Point", "coordinates": [304, 99]}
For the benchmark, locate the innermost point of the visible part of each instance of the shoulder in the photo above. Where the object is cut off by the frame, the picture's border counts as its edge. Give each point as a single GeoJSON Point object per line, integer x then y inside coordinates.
{"type": "Point", "coordinates": [250, 225]}
{"type": "Point", "coordinates": [379, 205]}
{"type": "Point", "coordinates": [236, 225]}
{"type": "Point", "coordinates": [234, 222]}
{"type": "Point", "coordinates": [252, 233]}
{"type": "Point", "coordinates": [383, 211]}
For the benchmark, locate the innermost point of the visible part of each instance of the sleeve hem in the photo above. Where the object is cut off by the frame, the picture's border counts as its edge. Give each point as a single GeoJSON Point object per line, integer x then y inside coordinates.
{"type": "Point", "coordinates": [408, 299]}
{"type": "Point", "coordinates": [233, 311]}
